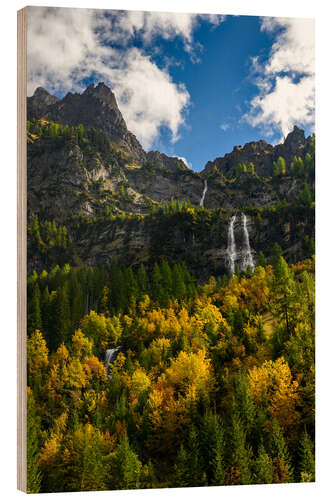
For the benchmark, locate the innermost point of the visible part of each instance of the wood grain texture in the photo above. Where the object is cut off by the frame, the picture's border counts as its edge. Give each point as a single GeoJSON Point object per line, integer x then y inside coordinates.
{"type": "Point", "coordinates": [21, 249]}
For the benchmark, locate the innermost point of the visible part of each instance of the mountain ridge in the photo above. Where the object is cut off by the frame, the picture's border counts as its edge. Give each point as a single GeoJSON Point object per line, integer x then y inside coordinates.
{"type": "Point", "coordinates": [97, 107]}
{"type": "Point", "coordinates": [117, 201]}
{"type": "Point", "coordinates": [262, 154]}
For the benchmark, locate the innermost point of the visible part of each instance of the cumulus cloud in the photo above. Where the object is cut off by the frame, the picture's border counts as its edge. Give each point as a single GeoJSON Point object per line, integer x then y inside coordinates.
{"type": "Point", "coordinates": [67, 46]}
{"type": "Point", "coordinates": [167, 25]}
{"type": "Point", "coordinates": [286, 81]}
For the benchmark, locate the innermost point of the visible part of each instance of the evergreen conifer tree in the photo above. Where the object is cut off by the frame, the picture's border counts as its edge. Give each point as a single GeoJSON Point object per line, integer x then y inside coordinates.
{"type": "Point", "coordinates": [142, 279]}
{"type": "Point", "coordinates": [262, 261]}
{"type": "Point", "coordinates": [194, 466]}
{"type": "Point", "coordinates": [179, 289]}
{"type": "Point", "coordinates": [34, 310]}
{"type": "Point", "coordinates": [33, 473]}
{"type": "Point", "coordinates": [125, 468]}
{"type": "Point", "coordinates": [263, 471]}
{"type": "Point", "coordinates": [307, 469]}
{"type": "Point", "coordinates": [240, 459]}
{"type": "Point", "coordinates": [281, 456]}
{"type": "Point", "coordinates": [157, 287]}
{"type": "Point", "coordinates": [180, 469]}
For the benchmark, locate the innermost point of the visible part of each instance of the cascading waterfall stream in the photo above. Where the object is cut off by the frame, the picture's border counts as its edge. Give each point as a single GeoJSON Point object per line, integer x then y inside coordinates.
{"type": "Point", "coordinates": [231, 250]}
{"type": "Point", "coordinates": [203, 193]}
{"type": "Point", "coordinates": [110, 355]}
{"type": "Point", "coordinates": [247, 258]}
{"type": "Point", "coordinates": [243, 256]}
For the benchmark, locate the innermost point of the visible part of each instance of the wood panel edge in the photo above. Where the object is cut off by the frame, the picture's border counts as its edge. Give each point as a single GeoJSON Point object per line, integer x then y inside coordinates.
{"type": "Point", "coordinates": [21, 249]}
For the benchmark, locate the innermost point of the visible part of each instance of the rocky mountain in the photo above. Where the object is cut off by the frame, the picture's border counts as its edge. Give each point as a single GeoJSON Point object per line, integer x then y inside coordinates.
{"type": "Point", "coordinates": [89, 174]}
{"type": "Point", "coordinates": [39, 103]}
{"type": "Point", "coordinates": [95, 108]}
{"type": "Point", "coordinates": [262, 154]}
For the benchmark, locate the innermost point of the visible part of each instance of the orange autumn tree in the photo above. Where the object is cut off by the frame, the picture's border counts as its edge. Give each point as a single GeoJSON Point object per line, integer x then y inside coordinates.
{"type": "Point", "coordinates": [105, 332]}
{"type": "Point", "coordinates": [274, 383]}
{"type": "Point", "coordinates": [138, 383]}
{"type": "Point", "coordinates": [37, 355]}
{"type": "Point", "coordinates": [174, 393]}
{"type": "Point", "coordinates": [189, 373]}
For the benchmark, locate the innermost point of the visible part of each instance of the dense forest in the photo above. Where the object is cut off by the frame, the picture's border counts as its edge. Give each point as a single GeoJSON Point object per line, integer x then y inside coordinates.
{"type": "Point", "coordinates": [211, 384]}
{"type": "Point", "coordinates": [171, 313]}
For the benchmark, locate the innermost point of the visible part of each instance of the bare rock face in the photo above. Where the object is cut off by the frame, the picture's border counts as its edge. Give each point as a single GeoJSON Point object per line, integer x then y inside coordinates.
{"type": "Point", "coordinates": [295, 144]}
{"type": "Point", "coordinates": [95, 108]}
{"type": "Point", "coordinates": [161, 160]}
{"type": "Point", "coordinates": [38, 104]}
{"type": "Point", "coordinates": [69, 178]}
{"type": "Point", "coordinates": [261, 154]}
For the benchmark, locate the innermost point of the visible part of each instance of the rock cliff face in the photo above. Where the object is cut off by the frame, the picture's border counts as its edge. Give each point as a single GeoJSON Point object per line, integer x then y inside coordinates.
{"type": "Point", "coordinates": [70, 178]}
{"type": "Point", "coordinates": [201, 242]}
{"type": "Point", "coordinates": [39, 103]}
{"type": "Point", "coordinates": [95, 108]}
{"type": "Point", "coordinates": [261, 154]}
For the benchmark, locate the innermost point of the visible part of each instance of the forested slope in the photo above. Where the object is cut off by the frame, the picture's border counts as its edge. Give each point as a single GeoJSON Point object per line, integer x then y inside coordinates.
{"type": "Point", "coordinates": [171, 313]}
{"type": "Point", "coordinates": [211, 385]}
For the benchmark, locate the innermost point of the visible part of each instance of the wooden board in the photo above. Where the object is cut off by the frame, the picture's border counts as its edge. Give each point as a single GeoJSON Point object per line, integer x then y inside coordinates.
{"type": "Point", "coordinates": [21, 249]}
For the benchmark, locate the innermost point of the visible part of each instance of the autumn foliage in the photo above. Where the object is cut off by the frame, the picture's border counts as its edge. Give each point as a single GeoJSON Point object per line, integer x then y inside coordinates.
{"type": "Point", "coordinates": [212, 384]}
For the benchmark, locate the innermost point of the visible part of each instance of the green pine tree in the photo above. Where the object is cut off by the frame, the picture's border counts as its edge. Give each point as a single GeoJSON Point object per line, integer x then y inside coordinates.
{"type": "Point", "coordinates": [179, 288]}
{"type": "Point", "coordinates": [157, 286]}
{"type": "Point", "coordinates": [34, 310]}
{"type": "Point", "coordinates": [142, 280]}
{"type": "Point", "coordinates": [194, 466]}
{"type": "Point", "coordinates": [125, 467]}
{"type": "Point", "coordinates": [284, 289]}
{"type": "Point", "coordinates": [263, 471]}
{"type": "Point", "coordinates": [262, 261]}
{"type": "Point", "coordinates": [180, 478]}
{"type": "Point", "coordinates": [240, 453]}
{"type": "Point", "coordinates": [307, 469]}
{"type": "Point", "coordinates": [306, 196]}
{"type": "Point", "coordinates": [280, 455]}
{"type": "Point", "coordinates": [34, 476]}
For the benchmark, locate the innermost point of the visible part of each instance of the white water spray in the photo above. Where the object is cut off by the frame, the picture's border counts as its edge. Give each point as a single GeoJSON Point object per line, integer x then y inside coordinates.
{"type": "Point", "coordinates": [231, 250]}
{"type": "Point", "coordinates": [110, 355]}
{"type": "Point", "coordinates": [244, 256]}
{"type": "Point", "coordinates": [247, 258]}
{"type": "Point", "coordinates": [203, 193]}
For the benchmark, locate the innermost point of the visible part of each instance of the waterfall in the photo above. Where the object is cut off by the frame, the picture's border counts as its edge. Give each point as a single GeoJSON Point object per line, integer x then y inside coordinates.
{"type": "Point", "coordinates": [247, 258]}
{"type": "Point", "coordinates": [231, 250]}
{"type": "Point", "coordinates": [244, 256]}
{"type": "Point", "coordinates": [110, 355]}
{"type": "Point", "coordinates": [203, 193]}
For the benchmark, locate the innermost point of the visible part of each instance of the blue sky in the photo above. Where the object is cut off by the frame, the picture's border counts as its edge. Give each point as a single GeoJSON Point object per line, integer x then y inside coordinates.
{"type": "Point", "coordinates": [191, 86]}
{"type": "Point", "coordinates": [221, 88]}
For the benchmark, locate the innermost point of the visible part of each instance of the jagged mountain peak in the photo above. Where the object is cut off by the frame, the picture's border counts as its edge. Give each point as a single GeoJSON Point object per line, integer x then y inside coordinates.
{"type": "Point", "coordinates": [99, 93]}
{"type": "Point", "coordinates": [102, 92]}
{"type": "Point", "coordinates": [41, 92]}
{"type": "Point", "coordinates": [96, 107]}
{"type": "Point", "coordinates": [296, 136]}
{"type": "Point", "coordinates": [255, 145]}
{"type": "Point", "coordinates": [98, 89]}
{"type": "Point", "coordinates": [262, 154]}
{"type": "Point", "coordinates": [39, 102]}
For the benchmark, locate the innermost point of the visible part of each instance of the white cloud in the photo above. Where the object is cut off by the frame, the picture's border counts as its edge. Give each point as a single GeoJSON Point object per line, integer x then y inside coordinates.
{"type": "Point", "coordinates": [286, 81]}
{"type": "Point", "coordinates": [65, 46]}
{"type": "Point", "coordinates": [147, 97]}
{"type": "Point", "coordinates": [168, 25]}
{"type": "Point", "coordinates": [61, 45]}
{"type": "Point", "coordinates": [187, 163]}
{"type": "Point", "coordinates": [224, 126]}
